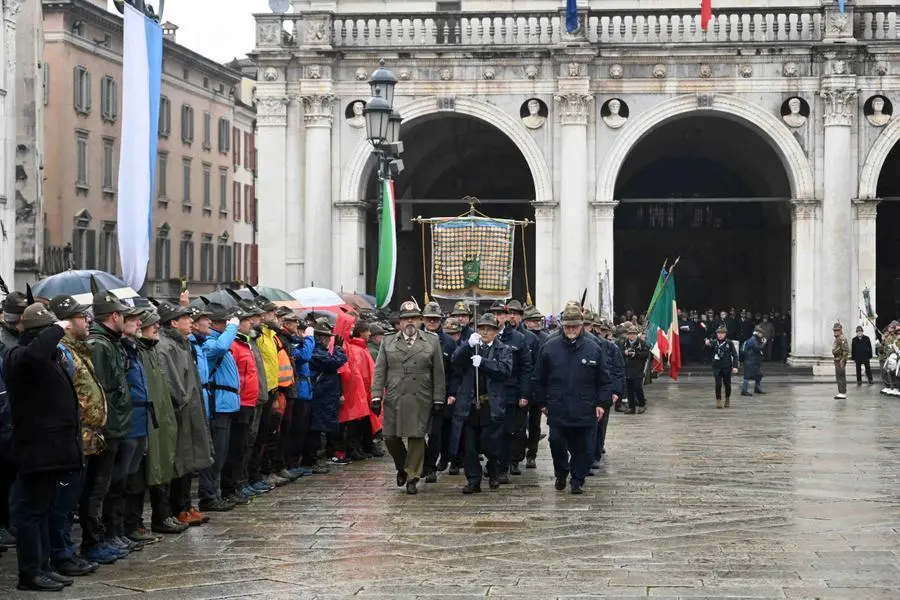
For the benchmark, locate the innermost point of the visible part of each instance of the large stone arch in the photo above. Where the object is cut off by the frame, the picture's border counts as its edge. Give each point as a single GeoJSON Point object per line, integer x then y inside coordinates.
{"type": "Point", "coordinates": [771, 127]}
{"type": "Point", "coordinates": [871, 171]}
{"type": "Point", "coordinates": [355, 169]}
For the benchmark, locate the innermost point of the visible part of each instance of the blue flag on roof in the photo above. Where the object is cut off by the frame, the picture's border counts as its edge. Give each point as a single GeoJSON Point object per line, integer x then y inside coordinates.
{"type": "Point", "coordinates": [841, 6]}
{"type": "Point", "coordinates": [572, 16]}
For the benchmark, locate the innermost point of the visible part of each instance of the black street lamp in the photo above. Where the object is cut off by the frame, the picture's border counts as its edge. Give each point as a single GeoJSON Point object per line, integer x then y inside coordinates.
{"type": "Point", "coordinates": [383, 123]}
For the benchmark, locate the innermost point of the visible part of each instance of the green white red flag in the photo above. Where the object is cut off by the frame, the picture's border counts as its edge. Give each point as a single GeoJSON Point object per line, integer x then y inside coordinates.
{"type": "Point", "coordinates": [662, 330]}
{"type": "Point", "coordinates": [387, 247]}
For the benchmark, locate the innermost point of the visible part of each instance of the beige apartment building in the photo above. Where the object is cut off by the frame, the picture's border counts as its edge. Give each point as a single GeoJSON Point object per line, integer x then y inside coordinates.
{"type": "Point", "coordinates": [200, 149]}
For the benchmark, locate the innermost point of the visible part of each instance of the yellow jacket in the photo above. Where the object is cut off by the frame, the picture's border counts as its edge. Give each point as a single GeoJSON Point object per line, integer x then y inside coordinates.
{"type": "Point", "coordinates": [269, 352]}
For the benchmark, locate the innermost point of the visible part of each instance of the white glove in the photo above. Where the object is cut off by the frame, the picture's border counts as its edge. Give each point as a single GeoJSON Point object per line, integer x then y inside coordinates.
{"type": "Point", "coordinates": [474, 340]}
{"type": "Point", "coordinates": [234, 321]}
{"type": "Point", "coordinates": [308, 332]}
{"type": "Point", "coordinates": [476, 361]}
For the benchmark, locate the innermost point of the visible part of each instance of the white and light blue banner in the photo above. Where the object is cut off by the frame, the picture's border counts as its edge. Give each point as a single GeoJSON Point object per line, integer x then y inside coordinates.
{"type": "Point", "coordinates": [141, 81]}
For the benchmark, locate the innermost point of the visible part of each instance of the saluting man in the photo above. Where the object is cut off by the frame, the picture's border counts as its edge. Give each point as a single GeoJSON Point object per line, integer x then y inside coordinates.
{"type": "Point", "coordinates": [841, 352]}
{"type": "Point", "coordinates": [409, 378]}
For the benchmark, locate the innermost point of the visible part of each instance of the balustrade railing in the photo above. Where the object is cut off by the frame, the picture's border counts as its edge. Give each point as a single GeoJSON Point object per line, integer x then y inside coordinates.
{"type": "Point", "coordinates": [877, 25]}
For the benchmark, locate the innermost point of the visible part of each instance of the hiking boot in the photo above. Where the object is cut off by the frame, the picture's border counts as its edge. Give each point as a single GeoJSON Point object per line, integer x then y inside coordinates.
{"type": "Point", "coordinates": [142, 536]}
{"type": "Point", "coordinates": [74, 567]}
{"type": "Point", "coordinates": [185, 518]}
{"type": "Point", "coordinates": [727, 401]}
{"type": "Point", "coordinates": [471, 489]}
{"type": "Point", "coordinates": [401, 478]}
{"type": "Point", "coordinates": [358, 455]}
{"type": "Point", "coordinates": [412, 487]}
{"type": "Point", "coordinates": [167, 527]}
{"type": "Point", "coordinates": [514, 469]}
{"type": "Point", "coordinates": [746, 394]}
{"type": "Point", "coordinates": [100, 554]}
{"type": "Point", "coordinates": [442, 465]}
{"type": "Point", "coordinates": [503, 478]}
{"type": "Point", "coordinates": [39, 583]}
{"type": "Point", "coordinates": [59, 578]}
{"type": "Point", "coordinates": [198, 517]}
{"type": "Point", "coordinates": [531, 463]}
{"type": "Point", "coordinates": [577, 489]}
{"type": "Point", "coordinates": [215, 505]}
{"type": "Point", "coordinates": [7, 539]}
{"type": "Point", "coordinates": [760, 392]}
{"type": "Point", "coordinates": [238, 498]}
{"type": "Point", "coordinates": [300, 472]}
{"type": "Point", "coordinates": [431, 478]}
{"type": "Point", "coordinates": [285, 474]}
{"type": "Point", "coordinates": [641, 410]}
{"type": "Point", "coordinates": [262, 487]}
{"type": "Point", "coordinates": [719, 403]}
{"type": "Point", "coordinates": [494, 484]}
{"type": "Point", "coordinates": [453, 470]}
{"type": "Point", "coordinates": [560, 484]}
{"type": "Point", "coordinates": [321, 468]}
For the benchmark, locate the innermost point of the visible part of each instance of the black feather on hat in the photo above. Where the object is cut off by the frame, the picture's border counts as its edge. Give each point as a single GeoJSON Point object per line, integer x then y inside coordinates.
{"type": "Point", "coordinates": [29, 296]}
{"type": "Point", "coordinates": [204, 300]}
{"type": "Point", "coordinates": [233, 294]}
{"type": "Point", "coordinates": [3, 287]}
{"type": "Point", "coordinates": [253, 291]}
{"type": "Point", "coordinates": [153, 301]}
{"type": "Point", "coordinates": [94, 287]}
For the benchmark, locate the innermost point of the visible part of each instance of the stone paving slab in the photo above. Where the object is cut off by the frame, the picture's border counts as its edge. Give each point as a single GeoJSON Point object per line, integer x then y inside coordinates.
{"type": "Point", "coordinates": [791, 495]}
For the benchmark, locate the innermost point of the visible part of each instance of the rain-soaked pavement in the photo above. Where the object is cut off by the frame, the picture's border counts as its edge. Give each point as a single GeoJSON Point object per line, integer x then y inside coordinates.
{"type": "Point", "coordinates": [788, 495]}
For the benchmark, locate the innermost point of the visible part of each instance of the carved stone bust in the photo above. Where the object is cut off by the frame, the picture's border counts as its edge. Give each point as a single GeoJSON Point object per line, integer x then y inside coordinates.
{"type": "Point", "coordinates": [534, 113]}
{"type": "Point", "coordinates": [616, 71]}
{"type": "Point", "coordinates": [614, 113]}
{"type": "Point", "coordinates": [404, 75]}
{"type": "Point", "coordinates": [878, 111]}
{"type": "Point", "coordinates": [574, 69]}
{"type": "Point", "coordinates": [446, 74]}
{"type": "Point", "coordinates": [361, 74]}
{"type": "Point", "coordinates": [271, 74]}
{"type": "Point", "coordinates": [789, 69]}
{"type": "Point", "coordinates": [314, 72]}
{"type": "Point", "coordinates": [489, 73]}
{"type": "Point", "coordinates": [746, 71]}
{"type": "Point", "coordinates": [659, 71]}
{"type": "Point", "coordinates": [354, 114]}
{"type": "Point", "coordinates": [531, 72]}
{"type": "Point", "coordinates": [794, 112]}
{"type": "Point", "coordinates": [882, 69]}
{"type": "Point", "coordinates": [705, 71]}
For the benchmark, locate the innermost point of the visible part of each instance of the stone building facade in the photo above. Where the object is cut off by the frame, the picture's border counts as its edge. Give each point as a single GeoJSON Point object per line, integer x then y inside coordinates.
{"type": "Point", "coordinates": [193, 220]}
{"type": "Point", "coordinates": [763, 151]}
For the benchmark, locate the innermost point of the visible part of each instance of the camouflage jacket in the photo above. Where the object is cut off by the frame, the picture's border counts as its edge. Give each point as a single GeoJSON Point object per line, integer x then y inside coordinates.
{"type": "Point", "coordinates": [841, 349]}
{"type": "Point", "coordinates": [885, 347]}
{"type": "Point", "coordinates": [91, 399]}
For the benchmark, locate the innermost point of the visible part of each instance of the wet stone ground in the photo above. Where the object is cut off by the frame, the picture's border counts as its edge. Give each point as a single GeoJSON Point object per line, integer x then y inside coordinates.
{"type": "Point", "coordinates": [788, 495]}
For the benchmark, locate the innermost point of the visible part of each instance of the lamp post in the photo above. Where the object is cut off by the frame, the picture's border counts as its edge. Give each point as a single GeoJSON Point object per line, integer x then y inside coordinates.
{"type": "Point", "coordinates": [383, 124]}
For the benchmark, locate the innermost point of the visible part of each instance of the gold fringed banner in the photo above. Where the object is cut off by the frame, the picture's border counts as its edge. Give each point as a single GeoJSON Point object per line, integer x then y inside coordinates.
{"type": "Point", "coordinates": [472, 256]}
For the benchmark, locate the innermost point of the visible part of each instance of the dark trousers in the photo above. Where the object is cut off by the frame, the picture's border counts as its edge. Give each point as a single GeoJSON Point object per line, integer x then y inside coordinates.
{"type": "Point", "coordinates": [129, 453]}
{"type": "Point", "coordinates": [859, 367]}
{"type": "Point", "coordinates": [512, 446]}
{"type": "Point", "coordinates": [269, 462]}
{"type": "Point", "coordinates": [598, 439]}
{"type": "Point", "coordinates": [68, 491]}
{"type": "Point", "coordinates": [635, 389]}
{"type": "Point", "coordinates": [482, 439]}
{"type": "Point", "coordinates": [297, 432]}
{"type": "Point", "coordinates": [254, 467]}
{"type": "Point", "coordinates": [97, 478]}
{"type": "Point", "coordinates": [723, 377]}
{"type": "Point", "coordinates": [7, 478]}
{"type": "Point", "coordinates": [534, 430]}
{"type": "Point", "coordinates": [314, 445]}
{"type": "Point", "coordinates": [135, 493]}
{"type": "Point", "coordinates": [36, 494]}
{"type": "Point", "coordinates": [180, 495]}
{"type": "Point", "coordinates": [210, 477]}
{"type": "Point", "coordinates": [359, 436]}
{"type": "Point", "coordinates": [160, 503]}
{"type": "Point", "coordinates": [840, 374]}
{"type": "Point", "coordinates": [570, 447]}
{"type": "Point", "coordinates": [447, 455]}
{"type": "Point", "coordinates": [234, 473]}
{"type": "Point", "coordinates": [283, 443]}
{"type": "Point", "coordinates": [435, 441]}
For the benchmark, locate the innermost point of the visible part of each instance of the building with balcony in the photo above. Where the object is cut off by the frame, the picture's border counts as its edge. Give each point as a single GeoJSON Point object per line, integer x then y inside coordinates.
{"type": "Point", "coordinates": [193, 210]}
{"type": "Point", "coordinates": [763, 150]}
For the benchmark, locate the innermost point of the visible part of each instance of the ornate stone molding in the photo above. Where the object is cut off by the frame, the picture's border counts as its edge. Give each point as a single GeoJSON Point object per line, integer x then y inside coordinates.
{"type": "Point", "coordinates": [866, 209]}
{"type": "Point", "coordinates": [351, 211]}
{"type": "Point", "coordinates": [318, 110]}
{"type": "Point", "coordinates": [804, 209]}
{"type": "Point", "coordinates": [604, 211]}
{"type": "Point", "coordinates": [271, 111]}
{"type": "Point", "coordinates": [839, 106]}
{"type": "Point", "coordinates": [11, 8]}
{"type": "Point", "coordinates": [544, 211]}
{"type": "Point", "coordinates": [573, 108]}
{"type": "Point", "coordinates": [313, 30]}
{"type": "Point", "coordinates": [871, 171]}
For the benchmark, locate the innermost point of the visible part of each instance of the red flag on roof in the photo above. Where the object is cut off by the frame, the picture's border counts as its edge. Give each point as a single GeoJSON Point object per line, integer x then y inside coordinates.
{"type": "Point", "coordinates": [705, 13]}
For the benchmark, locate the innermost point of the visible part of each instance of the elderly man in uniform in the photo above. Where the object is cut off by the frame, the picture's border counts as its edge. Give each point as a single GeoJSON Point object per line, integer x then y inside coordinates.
{"type": "Point", "coordinates": [841, 352]}
{"type": "Point", "coordinates": [570, 379]}
{"type": "Point", "coordinates": [462, 313]}
{"type": "Point", "coordinates": [410, 383]}
{"type": "Point", "coordinates": [636, 351]}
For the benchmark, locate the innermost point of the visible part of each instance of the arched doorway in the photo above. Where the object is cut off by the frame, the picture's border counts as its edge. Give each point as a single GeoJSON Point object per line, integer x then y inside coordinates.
{"type": "Point", "coordinates": [449, 156]}
{"type": "Point", "coordinates": [887, 245]}
{"type": "Point", "coordinates": [713, 190]}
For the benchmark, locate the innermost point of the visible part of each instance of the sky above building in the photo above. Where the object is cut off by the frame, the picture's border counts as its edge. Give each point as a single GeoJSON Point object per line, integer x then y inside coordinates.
{"type": "Point", "coordinates": [218, 29]}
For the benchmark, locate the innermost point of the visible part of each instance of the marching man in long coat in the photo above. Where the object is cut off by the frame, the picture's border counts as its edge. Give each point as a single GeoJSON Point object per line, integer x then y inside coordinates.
{"type": "Point", "coordinates": [410, 384]}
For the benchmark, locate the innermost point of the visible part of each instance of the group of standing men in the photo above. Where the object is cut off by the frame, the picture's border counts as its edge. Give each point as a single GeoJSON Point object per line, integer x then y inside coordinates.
{"type": "Point", "coordinates": [481, 388]}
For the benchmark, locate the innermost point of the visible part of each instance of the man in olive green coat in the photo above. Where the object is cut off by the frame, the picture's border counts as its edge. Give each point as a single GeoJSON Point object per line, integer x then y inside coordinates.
{"type": "Point", "coordinates": [410, 383]}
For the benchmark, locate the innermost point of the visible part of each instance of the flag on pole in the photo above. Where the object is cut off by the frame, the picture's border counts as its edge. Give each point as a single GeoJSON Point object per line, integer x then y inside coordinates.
{"type": "Point", "coordinates": [141, 82]}
{"type": "Point", "coordinates": [571, 16]}
{"type": "Point", "coordinates": [387, 246]}
{"type": "Point", "coordinates": [662, 331]}
{"type": "Point", "coordinates": [841, 6]}
{"type": "Point", "coordinates": [706, 13]}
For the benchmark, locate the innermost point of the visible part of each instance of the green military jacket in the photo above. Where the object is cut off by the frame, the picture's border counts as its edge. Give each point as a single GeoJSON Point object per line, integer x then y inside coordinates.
{"type": "Point", "coordinates": [110, 365]}
{"type": "Point", "coordinates": [886, 350]}
{"type": "Point", "coordinates": [91, 398]}
{"type": "Point", "coordinates": [163, 438]}
{"type": "Point", "coordinates": [841, 349]}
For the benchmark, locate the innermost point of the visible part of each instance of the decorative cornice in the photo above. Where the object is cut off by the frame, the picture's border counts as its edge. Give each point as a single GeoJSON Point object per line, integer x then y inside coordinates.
{"type": "Point", "coordinates": [318, 110]}
{"type": "Point", "coordinates": [271, 111]}
{"type": "Point", "coordinates": [839, 106]}
{"type": "Point", "coordinates": [805, 209]}
{"type": "Point", "coordinates": [351, 211]}
{"type": "Point", "coordinates": [573, 108]}
{"type": "Point", "coordinates": [866, 209]}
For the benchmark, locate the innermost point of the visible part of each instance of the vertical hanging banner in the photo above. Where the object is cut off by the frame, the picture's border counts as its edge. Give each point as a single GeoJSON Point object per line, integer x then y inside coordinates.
{"type": "Point", "coordinates": [141, 83]}
{"type": "Point", "coordinates": [387, 246]}
{"type": "Point", "coordinates": [472, 257]}
{"type": "Point", "coordinates": [571, 16]}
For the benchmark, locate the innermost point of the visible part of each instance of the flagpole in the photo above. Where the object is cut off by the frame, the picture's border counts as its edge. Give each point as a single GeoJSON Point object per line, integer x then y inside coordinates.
{"type": "Point", "coordinates": [647, 377]}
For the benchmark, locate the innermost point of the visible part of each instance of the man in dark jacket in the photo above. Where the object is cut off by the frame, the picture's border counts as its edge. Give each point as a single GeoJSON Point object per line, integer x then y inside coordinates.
{"type": "Point", "coordinates": [44, 407]}
{"type": "Point", "coordinates": [432, 316]}
{"type": "Point", "coordinates": [326, 400]}
{"type": "Point", "coordinates": [533, 320]}
{"type": "Point", "coordinates": [518, 393]}
{"type": "Point", "coordinates": [484, 364]}
{"type": "Point", "coordinates": [108, 357]}
{"type": "Point", "coordinates": [753, 355]}
{"type": "Point", "coordinates": [636, 352]}
{"type": "Point", "coordinates": [13, 306]}
{"type": "Point", "coordinates": [861, 353]}
{"type": "Point", "coordinates": [570, 377]}
{"type": "Point", "coordinates": [615, 366]}
{"type": "Point", "coordinates": [724, 364]}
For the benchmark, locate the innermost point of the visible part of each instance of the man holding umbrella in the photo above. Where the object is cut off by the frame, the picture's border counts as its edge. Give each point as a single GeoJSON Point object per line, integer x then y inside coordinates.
{"type": "Point", "coordinates": [410, 379]}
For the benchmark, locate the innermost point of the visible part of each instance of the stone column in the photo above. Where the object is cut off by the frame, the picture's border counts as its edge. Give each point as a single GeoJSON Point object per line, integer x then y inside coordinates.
{"type": "Point", "coordinates": [804, 314]}
{"type": "Point", "coordinates": [271, 129]}
{"type": "Point", "coordinates": [351, 243]}
{"type": "Point", "coordinates": [293, 224]}
{"type": "Point", "coordinates": [866, 218]}
{"type": "Point", "coordinates": [572, 261]}
{"type": "Point", "coordinates": [602, 248]}
{"type": "Point", "coordinates": [317, 241]}
{"type": "Point", "coordinates": [545, 251]}
{"type": "Point", "coordinates": [8, 116]}
{"type": "Point", "coordinates": [839, 103]}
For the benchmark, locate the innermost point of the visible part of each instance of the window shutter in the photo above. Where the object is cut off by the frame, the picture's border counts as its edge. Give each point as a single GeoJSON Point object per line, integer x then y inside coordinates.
{"type": "Point", "coordinates": [90, 261]}
{"type": "Point", "coordinates": [75, 86]}
{"type": "Point", "coordinates": [87, 95]}
{"type": "Point", "coordinates": [254, 263]}
{"type": "Point", "coordinates": [237, 262]}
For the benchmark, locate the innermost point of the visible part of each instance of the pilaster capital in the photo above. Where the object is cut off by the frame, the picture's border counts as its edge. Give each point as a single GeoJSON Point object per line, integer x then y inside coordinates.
{"type": "Point", "coordinates": [840, 105]}
{"type": "Point", "coordinates": [271, 111]}
{"type": "Point", "coordinates": [351, 211]}
{"type": "Point", "coordinates": [604, 211]}
{"type": "Point", "coordinates": [11, 8]}
{"type": "Point", "coordinates": [318, 110]}
{"type": "Point", "coordinates": [573, 108]}
{"type": "Point", "coordinates": [544, 211]}
{"type": "Point", "coordinates": [866, 208]}
{"type": "Point", "coordinates": [805, 209]}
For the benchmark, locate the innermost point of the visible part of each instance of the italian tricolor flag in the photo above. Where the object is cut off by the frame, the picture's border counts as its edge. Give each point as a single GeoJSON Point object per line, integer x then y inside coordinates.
{"type": "Point", "coordinates": [662, 331]}
{"type": "Point", "coordinates": [387, 246]}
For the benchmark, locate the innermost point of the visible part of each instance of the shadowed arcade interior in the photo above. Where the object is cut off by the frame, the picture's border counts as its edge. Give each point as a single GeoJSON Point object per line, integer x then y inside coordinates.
{"type": "Point", "coordinates": [447, 157]}
{"type": "Point", "coordinates": [887, 245]}
{"type": "Point", "coordinates": [713, 191]}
